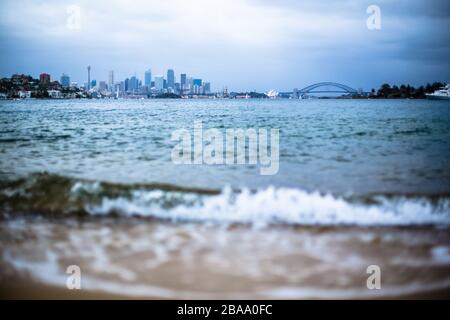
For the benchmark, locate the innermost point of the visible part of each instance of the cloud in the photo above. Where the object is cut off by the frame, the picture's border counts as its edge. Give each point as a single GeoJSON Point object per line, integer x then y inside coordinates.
{"type": "Point", "coordinates": [253, 44]}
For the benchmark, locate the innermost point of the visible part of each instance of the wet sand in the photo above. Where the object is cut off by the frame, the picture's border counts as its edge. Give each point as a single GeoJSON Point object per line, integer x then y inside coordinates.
{"type": "Point", "coordinates": [145, 259]}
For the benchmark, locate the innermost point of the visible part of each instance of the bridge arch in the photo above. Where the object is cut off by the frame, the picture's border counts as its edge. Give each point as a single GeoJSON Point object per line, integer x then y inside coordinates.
{"type": "Point", "coordinates": [343, 88]}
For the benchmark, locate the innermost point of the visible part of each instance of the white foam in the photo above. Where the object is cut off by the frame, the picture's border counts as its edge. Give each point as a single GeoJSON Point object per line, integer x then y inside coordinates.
{"type": "Point", "coordinates": [282, 206]}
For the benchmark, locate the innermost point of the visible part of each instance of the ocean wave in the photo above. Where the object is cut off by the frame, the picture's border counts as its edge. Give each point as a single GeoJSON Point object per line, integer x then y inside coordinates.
{"type": "Point", "coordinates": [282, 206]}
{"type": "Point", "coordinates": [51, 194]}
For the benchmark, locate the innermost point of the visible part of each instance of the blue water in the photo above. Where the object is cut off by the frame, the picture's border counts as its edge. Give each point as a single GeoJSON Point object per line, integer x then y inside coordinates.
{"type": "Point", "coordinates": [339, 146]}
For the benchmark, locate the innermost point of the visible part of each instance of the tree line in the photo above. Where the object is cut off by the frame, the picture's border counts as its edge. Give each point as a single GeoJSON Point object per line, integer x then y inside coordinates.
{"type": "Point", "coordinates": [405, 91]}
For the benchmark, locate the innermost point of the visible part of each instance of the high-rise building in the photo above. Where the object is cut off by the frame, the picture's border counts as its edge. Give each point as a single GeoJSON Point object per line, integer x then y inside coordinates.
{"type": "Point", "coordinates": [197, 82]}
{"type": "Point", "coordinates": [111, 80]}
{"type": "Point", "coordinates": [189, 85]}
{"type": "Point", "coordinates": [44, 78]}
{"type": "Point", "coordinates": [170, 78]}
{"type": "Point", "coordinates": [159, 83]}
{"type": "Point", "coordinates": [148, 78]}
{"type": "Point", "coordinates": [89, 77]}
{"type": "Point", "coordinates": [196, 89]}
{"type": "Point", "coordinates": [206, 87]}
{"type": "Point", "coordinates": [183, 80]}
{"type": "Point", "coordinates": [93, 83]}
{"type": "Point", "coordinates": [133, 85]}
{"type": "Point", "coordinates": [65, 80]}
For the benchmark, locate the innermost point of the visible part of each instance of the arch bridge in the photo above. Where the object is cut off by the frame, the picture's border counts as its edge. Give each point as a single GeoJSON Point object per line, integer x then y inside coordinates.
{"type": "Point", "coordinates": [340, 88]}
{"type": "Point", "coordinates": [323, 87]}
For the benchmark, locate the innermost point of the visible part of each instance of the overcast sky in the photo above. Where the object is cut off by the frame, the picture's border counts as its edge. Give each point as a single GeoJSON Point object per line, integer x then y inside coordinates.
{"type": "Point", "coordinates": [242, 44]}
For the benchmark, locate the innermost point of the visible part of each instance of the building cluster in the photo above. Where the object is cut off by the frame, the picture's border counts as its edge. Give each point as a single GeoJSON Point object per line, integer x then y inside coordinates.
{"type": "Point", "coordinates": [25, 86]}
{"type": "Point", "coordinates": [150, 86]}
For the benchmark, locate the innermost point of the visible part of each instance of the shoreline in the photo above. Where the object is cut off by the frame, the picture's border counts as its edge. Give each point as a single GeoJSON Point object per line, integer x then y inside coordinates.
{"type": "Point", "coordinates": [157, 260]}
{"type": "Point", "coordinates": [18, 288]}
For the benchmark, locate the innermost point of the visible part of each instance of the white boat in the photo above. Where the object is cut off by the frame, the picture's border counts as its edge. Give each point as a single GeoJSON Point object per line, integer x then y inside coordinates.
{"type": "Point", "coordinates": [441, 94]}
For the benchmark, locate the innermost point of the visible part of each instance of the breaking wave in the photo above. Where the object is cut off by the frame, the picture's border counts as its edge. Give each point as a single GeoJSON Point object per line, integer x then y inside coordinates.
{"type": "Point", "coordinates": [55, 195]}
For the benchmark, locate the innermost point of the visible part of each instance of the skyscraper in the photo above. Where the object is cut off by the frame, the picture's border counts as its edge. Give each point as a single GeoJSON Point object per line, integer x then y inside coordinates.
{"type": "Point", "coordinates": [89, 77]}
{"type": "Point", "coordinates": [133, 84]}
{"type": "Point", "coordinates": [206, 87]}
{"type": "Point", "coordinates": [170, 78]}
{"type": "Point", "coordinates": [159, 82]}
{"type": "Point", "coordinates": [148, 78]}
{"type": "Point", "coordinates": [189, 84]}
{"type": "Point", "coordinates": [111, 80]}
{"type": "Point", "coordinates": [65, 80]}
{"type": "Point", "coordinates": [183, 80]}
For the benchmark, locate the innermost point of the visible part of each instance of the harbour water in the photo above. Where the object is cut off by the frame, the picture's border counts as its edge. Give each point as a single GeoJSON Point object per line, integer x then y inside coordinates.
{"type": "Point", "coordinates": [360, 182]}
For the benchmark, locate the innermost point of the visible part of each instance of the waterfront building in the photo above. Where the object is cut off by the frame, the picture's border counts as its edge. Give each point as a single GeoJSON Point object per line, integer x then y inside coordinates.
{"type": "Point", "coordinates": [93, 84]}
{"type": "Point", "coordinates": [23, 94]}
{"type": "Point", "coordinates": [56, 94]}
{"type": "Point", "coordinates": [65, 80]}
{"type": "Point", "coordinates": [183, 80]}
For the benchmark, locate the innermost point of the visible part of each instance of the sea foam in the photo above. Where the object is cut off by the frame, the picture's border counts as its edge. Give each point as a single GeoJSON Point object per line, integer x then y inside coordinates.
{"type": "Point", "coordinates": [280, 206]}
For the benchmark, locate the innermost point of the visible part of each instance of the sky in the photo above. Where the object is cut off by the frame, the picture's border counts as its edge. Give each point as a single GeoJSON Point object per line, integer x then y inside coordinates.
{"type": "Point", "coordinates": [241, 44]}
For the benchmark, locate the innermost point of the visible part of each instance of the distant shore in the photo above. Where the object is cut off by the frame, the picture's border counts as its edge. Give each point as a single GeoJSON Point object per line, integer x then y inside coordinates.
{"type": "Point", "coordinates": [211, 98]}
{"type": "Point", "coordinates": [21, 86]}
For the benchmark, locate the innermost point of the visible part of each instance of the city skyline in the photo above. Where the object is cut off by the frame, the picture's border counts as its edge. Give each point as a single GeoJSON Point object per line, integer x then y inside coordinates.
{"type": "Point", "coordinates": [149, 86]}
{"type": "Point", "coordinates": [65, 79]}
{"type": "Point", "coordinates": [246, 45]}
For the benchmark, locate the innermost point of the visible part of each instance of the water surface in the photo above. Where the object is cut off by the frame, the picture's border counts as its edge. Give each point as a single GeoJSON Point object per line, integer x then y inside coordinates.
{"type": "Point", "coordinates": [360, 182]}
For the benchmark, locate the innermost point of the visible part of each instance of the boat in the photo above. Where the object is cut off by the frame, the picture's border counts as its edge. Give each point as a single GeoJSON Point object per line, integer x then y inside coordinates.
{"type": "Point", "coordinates": [441, 94]}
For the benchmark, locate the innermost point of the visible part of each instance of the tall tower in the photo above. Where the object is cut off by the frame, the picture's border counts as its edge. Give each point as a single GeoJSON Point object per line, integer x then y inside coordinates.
{"type": "Point", "coordinates": [170, 79]}
{"type": "Point", "coordinates": [148, 78]}
{"type": "Point", "coordinates": [111, 80]}
{"type": "Point", "coordinates": [89, 77]}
